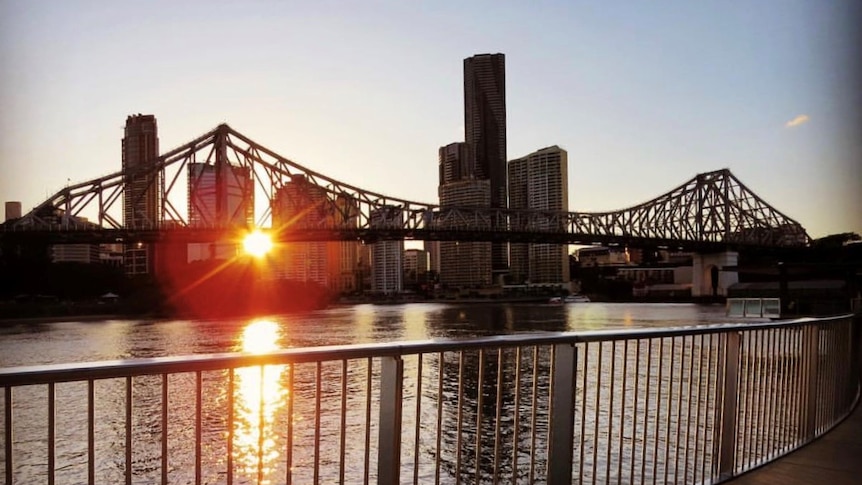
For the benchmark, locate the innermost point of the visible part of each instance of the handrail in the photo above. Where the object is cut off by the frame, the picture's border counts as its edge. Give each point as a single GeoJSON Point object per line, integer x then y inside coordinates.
{"type": "Point", "coordinates": [594, 405]}
{"type": "Point", "coordinates": [42, 374]}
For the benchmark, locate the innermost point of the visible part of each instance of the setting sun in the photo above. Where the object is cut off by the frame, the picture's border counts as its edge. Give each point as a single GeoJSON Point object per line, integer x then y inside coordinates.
{"type": "Point", "coordinates": [257, 244]}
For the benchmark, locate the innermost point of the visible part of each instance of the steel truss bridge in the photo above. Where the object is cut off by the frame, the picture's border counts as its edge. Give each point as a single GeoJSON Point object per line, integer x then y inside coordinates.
{"type": "Point", "coordinates": [712, 211]}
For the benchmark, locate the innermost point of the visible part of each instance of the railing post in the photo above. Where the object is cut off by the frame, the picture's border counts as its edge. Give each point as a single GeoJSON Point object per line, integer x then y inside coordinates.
{"type": "Point", "coordinates": [562, 419]}
{"type": "Point", "coordinates": [389, 438]}
{"type": "Point", "coordinates": [811, 355]}
{"type": "Point", "coordinates": [729, 397]}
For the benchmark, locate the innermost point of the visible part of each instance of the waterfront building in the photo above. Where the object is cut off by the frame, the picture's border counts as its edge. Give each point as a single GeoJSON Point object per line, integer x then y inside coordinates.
{"type": "Point", "coordinates": [140, 148]}
{"type": "Point", "coordinates": [539, 181]}
{"type": "Point", "coordinates": [603, 256]}
{"type": "Point", "coordinates": [485, 133]}
{"type": "Point", "coordinates": [386, 264]}
{"type": "Point", "coordinates": [13, 210]}
{"type": "Point", "coordinates": [344, 262]}
{"type": "Point", "coordinates": [222, 197]}
{"type": "Point", "coordinates": [75, 253]}
{"type": "Point", "coordinates": [465, 264]}
{"type": "Point", "coordinates": [416, 266]}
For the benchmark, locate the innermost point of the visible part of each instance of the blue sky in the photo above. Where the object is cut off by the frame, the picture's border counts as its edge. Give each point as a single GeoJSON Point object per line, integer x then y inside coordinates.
{"type": "Point", "coordinates": [643, 95]}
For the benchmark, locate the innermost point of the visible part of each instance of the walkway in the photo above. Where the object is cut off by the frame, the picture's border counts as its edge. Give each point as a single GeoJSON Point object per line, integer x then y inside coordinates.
{"type": "Point", "coordinates": [834, 459]}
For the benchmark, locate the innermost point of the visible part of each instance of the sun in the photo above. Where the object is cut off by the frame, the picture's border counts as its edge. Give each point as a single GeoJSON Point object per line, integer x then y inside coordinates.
{"type": "Point", "coordinates": [257, 244]}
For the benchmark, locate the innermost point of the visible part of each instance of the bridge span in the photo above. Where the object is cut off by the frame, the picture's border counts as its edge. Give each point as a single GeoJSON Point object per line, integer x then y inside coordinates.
{"type": "Point", "coordinates": [713, 211]}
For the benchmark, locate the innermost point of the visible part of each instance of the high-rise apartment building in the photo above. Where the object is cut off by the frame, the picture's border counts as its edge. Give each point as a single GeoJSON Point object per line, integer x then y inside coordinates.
{"type": "Point", "coordinates": [140, 188]}
{"type": "Point", "coordinates": [297, 205]}
{"type": "Point", "coordinates": [539, 181]}
{"type": "Point", "coordinates": [386, 256]}
{"type": "Point", "coordinates": [344, 262]}
{"type": "Point", "coordinates": [485, 132]}
{"type": "Point", "coordinates": [465, 264]}
{"type": "Point", "coordinates": [219, 196]}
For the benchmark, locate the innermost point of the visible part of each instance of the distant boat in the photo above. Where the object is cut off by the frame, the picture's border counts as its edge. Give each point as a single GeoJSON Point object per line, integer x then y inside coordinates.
{"type": "Point", "coordinates": [556, 301]}
{"type": "Point", "coordinates": [577, 299]}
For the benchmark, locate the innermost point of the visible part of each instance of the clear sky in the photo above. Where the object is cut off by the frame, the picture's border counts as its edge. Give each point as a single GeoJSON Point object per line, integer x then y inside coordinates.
{"type": "Point", "coordinates": [643, 95]}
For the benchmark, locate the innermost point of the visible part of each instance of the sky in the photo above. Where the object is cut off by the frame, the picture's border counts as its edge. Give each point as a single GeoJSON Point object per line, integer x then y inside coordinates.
{"type": "Point", "coordinates": [642, 95]}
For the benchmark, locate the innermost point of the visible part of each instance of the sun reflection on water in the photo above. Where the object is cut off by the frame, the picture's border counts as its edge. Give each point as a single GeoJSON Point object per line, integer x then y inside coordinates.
{"type": "Point", "coordinates": [259, 397]}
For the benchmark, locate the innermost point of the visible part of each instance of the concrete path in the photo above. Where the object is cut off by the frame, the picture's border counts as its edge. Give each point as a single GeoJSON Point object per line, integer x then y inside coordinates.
{"type": "Point", "coordinates": [833, 459]}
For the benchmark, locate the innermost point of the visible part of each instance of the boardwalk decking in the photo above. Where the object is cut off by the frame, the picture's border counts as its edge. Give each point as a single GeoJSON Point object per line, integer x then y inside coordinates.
{"type": "Point", "coordinates": [834, 459]}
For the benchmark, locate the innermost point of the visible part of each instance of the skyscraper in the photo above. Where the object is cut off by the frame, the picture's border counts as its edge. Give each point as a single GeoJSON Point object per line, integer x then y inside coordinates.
{"type": "Point", "coordinates": [386, 256]}
{"type": "Point", "coordinates": [140, 190]}
{"type": "Point", "coordinates": [485, 131]}
{"type": "Point", "coordinates": [462, 264]}
{"type": "Point", "coordinates": [539, 181]}
{"type": "Point", "coordinates": [216, 199]}
{"type": "Point", "coordinates": [298, 205]}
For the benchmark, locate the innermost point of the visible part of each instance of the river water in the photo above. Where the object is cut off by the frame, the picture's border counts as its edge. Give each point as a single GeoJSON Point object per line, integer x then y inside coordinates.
{"type": "Point", "coordinates": [260, 396]}
{"type": "Point", "coordinates": [54, 343]}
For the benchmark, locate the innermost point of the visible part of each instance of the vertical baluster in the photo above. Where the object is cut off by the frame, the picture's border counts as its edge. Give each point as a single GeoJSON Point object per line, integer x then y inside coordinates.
{"type": "Point", "coordinates": [499, 416]}
{"type": "Point", "coordinates": [635, 412]}
{"type": "Point", "coordinates": [611, 387]}
{"type": "Point", "coordinates": [291, 391]}
{"type": "Point", "coordinates": [625, 379]}
{"type": "Point", "coordinates": [7, 431]}
{"type": "Point", "coordinates": [51, 433]}
{"type": "Point", "coordinates": [596, 409]}
{"type": "Point", "coordinates": [230, 427]}
{"type": "Point", "coordinates": [516, 421]}
{"type": "Point", "coordinates": [761, 396]}
{"type": "Point", "coordinates": [198, 420]}
{"type": "Point", "coordinates": [688, 423]}
{"type": "Point", "coordinates": [437, 448]}
{"type": "Point", "coordinates": [460, 417]}
{"type": "Point", "coordinates": [418, 419]}
{"type": "Point", "coordinates": [697, 399]}
{"type": "Point", "coordinates": [91, 432]}
{"type": "Point", "coordinates": [679, 410]}
{"type": "Point", "coordinates": [583, 413]}
{"type": "Point", "coordinates": [534, 405]}
{"type": "Point", "coordinates": [646, 410]}
{"type": "Point", "coordinates": [367, 420]}
{"type": "Point", "coordinates": [672, 362]}
{"type": "Point", "coordinates": [343, 436]}
{"type": "Point", "coordinates": [773, 392]}
{"type": "Point", "coordinates": [710, 399]}
{"type": "Point", "coordinates": [479, 403]}
{"type": "Point", "coordinates": [317, 392]}
{"type": "Point", "coordinates": [657, 411]}
{"type": "Point", "coordinates": [164, 429]}
{"type": "Point", "coordinates": [128, 464]}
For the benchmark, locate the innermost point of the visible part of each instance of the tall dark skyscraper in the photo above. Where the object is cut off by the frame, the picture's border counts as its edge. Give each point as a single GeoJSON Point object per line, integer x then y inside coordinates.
{"type": "Point", "coordinates": [140, 192]}
{"type": "Point", "coordinates": [485, 131]}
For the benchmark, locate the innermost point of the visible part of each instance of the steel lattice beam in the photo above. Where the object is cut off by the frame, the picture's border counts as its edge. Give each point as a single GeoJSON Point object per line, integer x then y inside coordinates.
{"type": "Point", "coordinates": [712, 209]}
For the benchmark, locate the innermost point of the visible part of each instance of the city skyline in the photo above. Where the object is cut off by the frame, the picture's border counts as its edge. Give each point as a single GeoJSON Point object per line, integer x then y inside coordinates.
{"type": "Point", "coordinates": [639, 107]}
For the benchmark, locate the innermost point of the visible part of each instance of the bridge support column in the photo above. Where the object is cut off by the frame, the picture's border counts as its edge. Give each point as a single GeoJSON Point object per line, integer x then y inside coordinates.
{"type": "Point", "coordinates": [708, 277]}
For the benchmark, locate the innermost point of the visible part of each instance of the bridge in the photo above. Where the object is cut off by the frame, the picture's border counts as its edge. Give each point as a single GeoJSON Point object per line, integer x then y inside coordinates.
{"type": "Point", "coordinates": [711, 212]}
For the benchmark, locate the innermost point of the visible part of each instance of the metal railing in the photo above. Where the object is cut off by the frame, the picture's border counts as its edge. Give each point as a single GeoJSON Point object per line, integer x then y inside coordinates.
{"type": "Point", "coordinates": [684, 405]}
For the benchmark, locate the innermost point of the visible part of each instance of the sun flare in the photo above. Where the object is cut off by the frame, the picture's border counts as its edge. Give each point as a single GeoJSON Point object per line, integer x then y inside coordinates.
{"type": "Point", "coordinates": [257, 244]}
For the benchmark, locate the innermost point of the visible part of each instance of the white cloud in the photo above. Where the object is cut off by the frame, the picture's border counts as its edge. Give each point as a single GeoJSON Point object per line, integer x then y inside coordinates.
{"type": "Point", "coordinates": [800, 119]}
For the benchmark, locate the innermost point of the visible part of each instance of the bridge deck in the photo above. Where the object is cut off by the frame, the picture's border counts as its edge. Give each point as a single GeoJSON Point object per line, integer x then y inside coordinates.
{"type": "Point", "coordinates": [835, 458]}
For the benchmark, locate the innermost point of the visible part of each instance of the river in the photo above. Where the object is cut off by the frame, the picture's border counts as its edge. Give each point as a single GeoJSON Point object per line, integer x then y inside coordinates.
{"type": "Point", "coordinates": [66, 342]}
